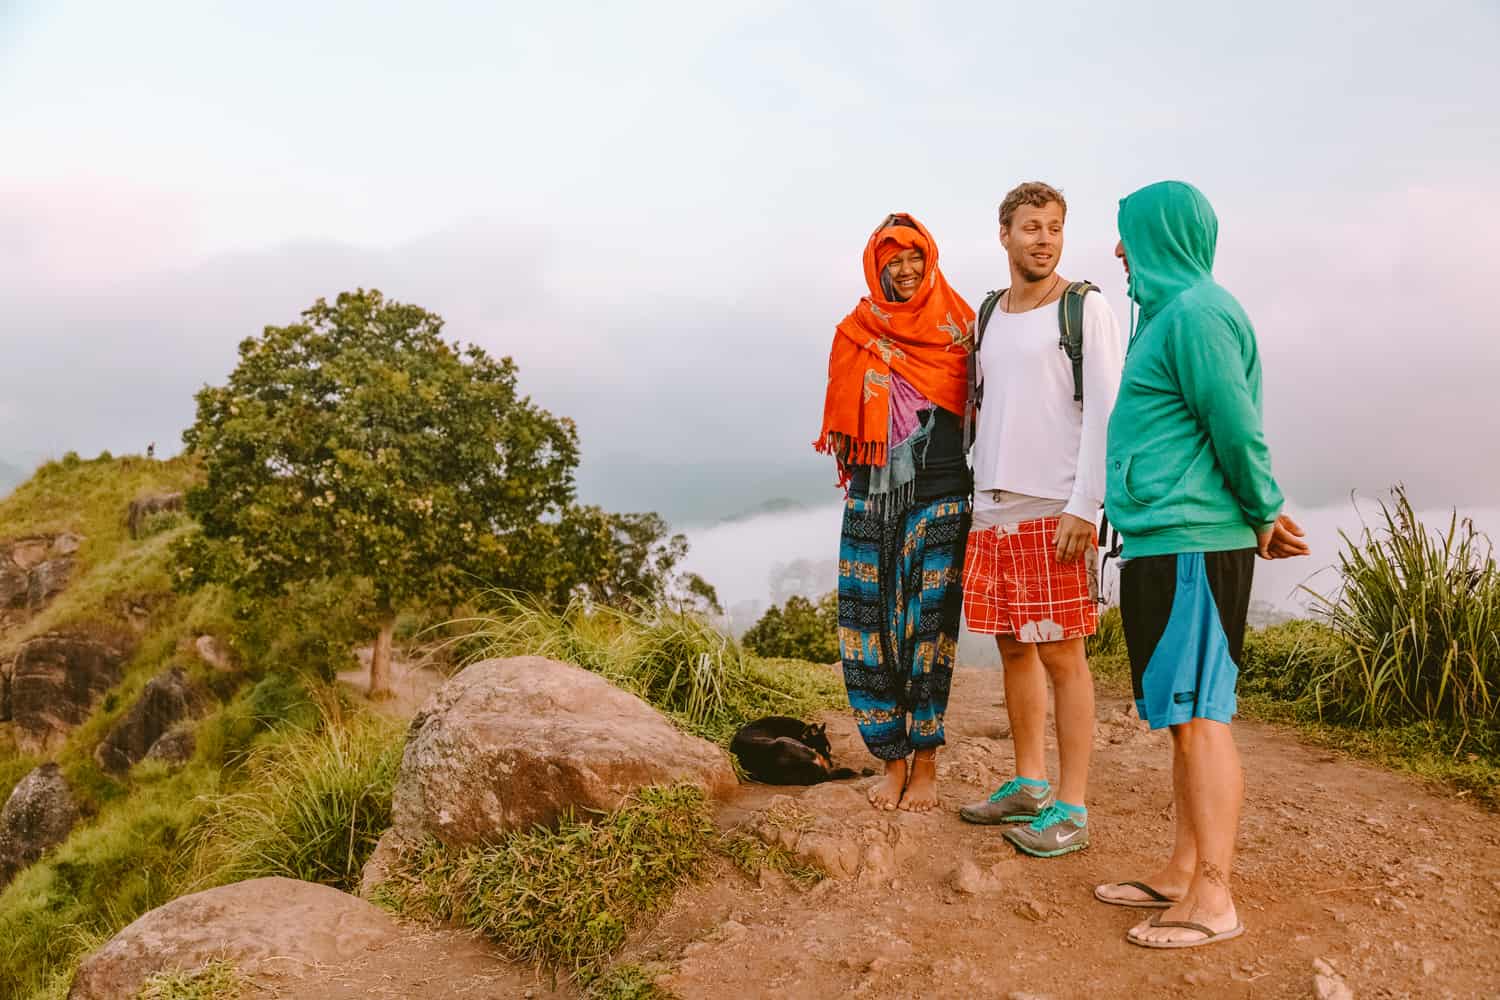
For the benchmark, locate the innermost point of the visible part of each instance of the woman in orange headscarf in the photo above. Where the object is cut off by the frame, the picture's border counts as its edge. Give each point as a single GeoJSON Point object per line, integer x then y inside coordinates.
{"type": "Point", "coordinates": [893, 418]}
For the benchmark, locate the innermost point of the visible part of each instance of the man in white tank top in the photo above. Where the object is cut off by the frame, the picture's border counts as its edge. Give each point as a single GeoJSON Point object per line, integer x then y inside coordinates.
{"type": "Point", "coordinates": [1030, 570]}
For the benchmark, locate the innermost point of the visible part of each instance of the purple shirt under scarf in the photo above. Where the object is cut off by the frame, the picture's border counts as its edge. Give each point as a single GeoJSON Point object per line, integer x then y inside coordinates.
{"type": "Point", "coordinates": [906, 403]}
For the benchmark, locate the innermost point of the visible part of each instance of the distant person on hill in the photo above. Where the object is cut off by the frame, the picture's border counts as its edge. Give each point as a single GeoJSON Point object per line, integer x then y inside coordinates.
{"type": "Point", "coordinates": [1048, 366]}
{"type": "Point", "coordinates": [1190, 490]}
{"type": "Point", "coordinates": [891, 417]}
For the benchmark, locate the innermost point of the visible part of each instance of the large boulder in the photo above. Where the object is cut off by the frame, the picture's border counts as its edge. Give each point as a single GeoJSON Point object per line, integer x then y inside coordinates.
{"type": "Point", "coordinates": [55, 682]}
{"type": "Point", "coordinates": [38, 816]}
{"type": "Point", "coordinates": [510, 744]}
{"type": "Point", "coordinates": [264, 925]}
{"type": "Point", "coordinates": [168, 698]}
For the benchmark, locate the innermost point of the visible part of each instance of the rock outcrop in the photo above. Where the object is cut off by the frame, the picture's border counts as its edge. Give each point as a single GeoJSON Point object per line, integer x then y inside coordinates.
{"type": "Point", "coordinates": [509, 744]}
{"type": "Point", "coordinates": [55, 682]}
{"type": "Point", "coordinates": [141, 509]}
{"type": "Point", "coordinates": [34, 570]}
{"type": "Point", "coordinates": [175, 746]}
{"type": "Point", "coordinates": [264, 925]}
{"type": "Point", "coordinates": [38, 816]}
{"type": "Point", "coordinates": [168, 698]}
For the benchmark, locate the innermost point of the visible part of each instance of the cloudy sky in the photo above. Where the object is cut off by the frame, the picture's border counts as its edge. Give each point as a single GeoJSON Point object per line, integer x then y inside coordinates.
{"type": "Point", "coordinates": [658, 208]}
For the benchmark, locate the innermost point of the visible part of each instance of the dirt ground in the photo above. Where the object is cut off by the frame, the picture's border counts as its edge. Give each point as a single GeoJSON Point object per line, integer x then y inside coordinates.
{"type": "Point", "coordinates": [1394, 888]}
{"type": "Point", "coordinates": [1386, 887]}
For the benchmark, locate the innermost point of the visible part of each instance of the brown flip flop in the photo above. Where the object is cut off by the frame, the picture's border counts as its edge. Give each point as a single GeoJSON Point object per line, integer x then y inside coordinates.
{"type": "Point", "coordinates": [1210, 936]}
{"type": "Point", "coordinates": [1156, 902]}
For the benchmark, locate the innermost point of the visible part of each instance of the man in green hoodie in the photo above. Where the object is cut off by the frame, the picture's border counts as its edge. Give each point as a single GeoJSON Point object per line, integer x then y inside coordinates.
{"type": "Point", "coordinates": [1189, 487]}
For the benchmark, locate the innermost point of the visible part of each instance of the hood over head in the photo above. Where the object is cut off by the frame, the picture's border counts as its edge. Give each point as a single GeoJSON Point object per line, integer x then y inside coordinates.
{"type": "Point", "coordinates": [1169, 231]}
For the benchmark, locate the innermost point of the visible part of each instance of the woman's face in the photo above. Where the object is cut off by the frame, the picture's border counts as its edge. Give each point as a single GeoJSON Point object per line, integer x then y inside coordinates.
{"type": "Point", "coordinates": [905, 272]}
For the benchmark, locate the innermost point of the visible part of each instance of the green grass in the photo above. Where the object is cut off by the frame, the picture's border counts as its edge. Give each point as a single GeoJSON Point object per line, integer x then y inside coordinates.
{"type": "Point", "coordinates": [309, 806]}
{"type": "Point", "coordinates": [218, 980]}
{"type": "Point", "coordinates": [676, 661]}
{"type": "Point", "coordinates": [136, 853]}
{"type": "Point", "coordinates": [91, 499]}
{"type": "Point", "coordinates": [128, 861]}
{"type": "Point", "coordinates": [564, 898]}
{"type": "Point", "coordinates": [13, 767]}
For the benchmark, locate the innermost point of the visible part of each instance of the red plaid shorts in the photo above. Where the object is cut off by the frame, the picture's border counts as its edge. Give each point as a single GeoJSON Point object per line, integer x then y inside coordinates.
{"type": "Point", "coordinates": [1014, 585]}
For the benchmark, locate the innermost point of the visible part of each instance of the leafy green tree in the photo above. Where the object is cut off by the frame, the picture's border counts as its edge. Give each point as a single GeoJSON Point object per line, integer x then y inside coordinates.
{"type": "Point", "coordinates": [799, 629]}
{"type": "Point", "coordinates": [359, 444]}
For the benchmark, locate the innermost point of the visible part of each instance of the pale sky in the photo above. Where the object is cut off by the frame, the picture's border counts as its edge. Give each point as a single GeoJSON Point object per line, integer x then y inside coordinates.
{"type": "Point", "coordinates": [658, 208]}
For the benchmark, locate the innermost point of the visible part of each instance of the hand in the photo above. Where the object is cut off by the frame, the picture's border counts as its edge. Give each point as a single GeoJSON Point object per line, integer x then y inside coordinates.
{"type": "Point", "coordinates": [1074, 536]}
{"type": "Point", "coordinates": [1282, 540]}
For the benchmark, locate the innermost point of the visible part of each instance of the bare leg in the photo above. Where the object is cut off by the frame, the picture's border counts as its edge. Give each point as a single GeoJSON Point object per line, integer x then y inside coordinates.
{"type": "Point", "coordinates": [1215, 790]}
{"type": "Point", "coordinates": [1025, 704]}
{"type": "Point", "coordinates": [886, 793]}
{"type": "Point", "coordinates": [1171, 881]}
{"type": "Point", "coordinates": [921, 793]}
{"type": "Point", "coordinates": [1073, 687]}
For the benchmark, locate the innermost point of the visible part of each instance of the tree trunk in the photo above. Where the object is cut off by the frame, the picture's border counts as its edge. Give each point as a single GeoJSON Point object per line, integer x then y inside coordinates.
{"type": "Point", "coordinates": [380, 661]}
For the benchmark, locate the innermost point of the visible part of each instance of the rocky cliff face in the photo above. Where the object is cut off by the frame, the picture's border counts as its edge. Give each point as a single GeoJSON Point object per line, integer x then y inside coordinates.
{"type": "Point", "coordinates": [33, 571]}
{"type": "Point", "coordinates": [55, 681]}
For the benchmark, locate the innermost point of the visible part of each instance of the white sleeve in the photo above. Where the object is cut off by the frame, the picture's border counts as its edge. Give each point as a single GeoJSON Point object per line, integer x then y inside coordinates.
{"type": "Point", "coordinates": [1103, 358]}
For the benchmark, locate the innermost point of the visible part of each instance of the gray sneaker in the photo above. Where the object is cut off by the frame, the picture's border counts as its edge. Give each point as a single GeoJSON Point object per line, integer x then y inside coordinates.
{"type": "Point", "coordinates": [1014, 802]}
{"type": "Point", "coordinates": [1054, 832]}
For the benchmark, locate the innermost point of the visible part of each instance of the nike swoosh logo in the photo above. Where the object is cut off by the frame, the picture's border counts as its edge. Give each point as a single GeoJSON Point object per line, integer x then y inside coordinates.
{"type": "Point", "coordinates": [1063, 838]}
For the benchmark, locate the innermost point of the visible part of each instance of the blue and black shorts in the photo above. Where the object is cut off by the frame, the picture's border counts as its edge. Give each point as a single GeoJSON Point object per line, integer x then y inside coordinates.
{"type": "Point", "coordinates": [1184, 618]}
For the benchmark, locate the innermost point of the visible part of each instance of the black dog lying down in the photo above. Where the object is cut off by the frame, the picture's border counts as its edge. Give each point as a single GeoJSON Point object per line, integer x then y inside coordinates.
{"type": "Point", "coordinates": [777, 750]}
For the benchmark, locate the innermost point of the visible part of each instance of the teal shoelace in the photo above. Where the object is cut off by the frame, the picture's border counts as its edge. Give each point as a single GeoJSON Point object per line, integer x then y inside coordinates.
{"type": "Point", "coordinates": [1051, 816]}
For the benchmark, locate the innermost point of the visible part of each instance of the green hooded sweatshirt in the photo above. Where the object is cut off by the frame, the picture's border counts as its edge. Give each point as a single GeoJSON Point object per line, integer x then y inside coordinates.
{"type": "Point", "coordinates": [1187, 466]}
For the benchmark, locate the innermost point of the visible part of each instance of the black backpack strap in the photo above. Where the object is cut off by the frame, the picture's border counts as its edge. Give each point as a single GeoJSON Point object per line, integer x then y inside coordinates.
{"type": "Point", "coordinates": [1110, 541]}
{"type": "Point", "coordinates": [1070, 330]}
{"type": "Point", "coordinates": [976, 391]}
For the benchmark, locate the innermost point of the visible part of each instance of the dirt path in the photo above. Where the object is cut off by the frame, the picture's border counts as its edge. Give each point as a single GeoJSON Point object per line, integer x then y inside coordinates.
{"type": "Point", "coordinates": [1395, 888]}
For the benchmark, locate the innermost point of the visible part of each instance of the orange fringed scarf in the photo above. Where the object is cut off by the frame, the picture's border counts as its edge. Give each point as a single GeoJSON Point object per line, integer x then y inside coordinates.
{"type": "Point", "coordinates": [926, 340]}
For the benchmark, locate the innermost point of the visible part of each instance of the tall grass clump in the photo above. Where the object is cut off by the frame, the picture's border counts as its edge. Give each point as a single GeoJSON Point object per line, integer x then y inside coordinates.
{"type": "Point", "coordinates": [308, 806]}
{"type": "Point", "coordinates": [564, 898]}
{"type": "Point", "coordinates": [670, 658]}
{"type": "Point", "coordinates": [1417, 619]}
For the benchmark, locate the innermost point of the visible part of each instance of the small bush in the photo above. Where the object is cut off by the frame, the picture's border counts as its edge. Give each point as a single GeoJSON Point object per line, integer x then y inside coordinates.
{"type": "Point", "coordinates": [1418, 618]}
{"type": "Point", "coordinates": [311, 806]}
{"type": "Point", "coordinates": [566, 897]}
{"type": "Point", "coordinates": [798, 630]}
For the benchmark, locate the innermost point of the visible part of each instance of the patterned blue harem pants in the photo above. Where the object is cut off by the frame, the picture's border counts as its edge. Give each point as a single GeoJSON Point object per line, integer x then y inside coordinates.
{"type": "Point", "coordinates": [900, 597]}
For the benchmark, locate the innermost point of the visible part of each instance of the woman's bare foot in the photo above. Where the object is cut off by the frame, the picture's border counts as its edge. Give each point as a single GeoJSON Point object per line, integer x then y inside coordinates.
{"type": "Point", "coordinates": [921, 791]}
{"type": "Point", "coordinates": [886, 793]}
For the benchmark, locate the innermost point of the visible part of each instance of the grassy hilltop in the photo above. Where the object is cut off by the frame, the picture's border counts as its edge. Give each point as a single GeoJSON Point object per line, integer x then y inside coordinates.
{"type": "Point", "coordinates": [291, 774]}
